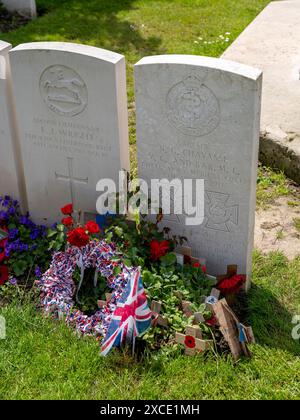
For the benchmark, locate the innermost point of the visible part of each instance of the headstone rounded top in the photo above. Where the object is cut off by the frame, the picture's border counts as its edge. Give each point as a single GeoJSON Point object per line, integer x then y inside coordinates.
{"type": "Point", "coordinates": [202, 61]}
{"type": "Point", "coordinates": [4, 47]}
{"type": "Point", "coordinates": [70, 47]}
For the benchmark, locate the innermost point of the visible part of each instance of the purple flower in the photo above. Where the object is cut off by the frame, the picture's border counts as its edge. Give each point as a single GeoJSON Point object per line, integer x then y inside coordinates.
{"type": "Point", "coordinates": [13, 281]}
{"type": "Point", "coordinates": [34, 234]}
{"type": "Point", "coordinates": [13, 233]}
{"type": "Point", "coordinates": [38, 272]}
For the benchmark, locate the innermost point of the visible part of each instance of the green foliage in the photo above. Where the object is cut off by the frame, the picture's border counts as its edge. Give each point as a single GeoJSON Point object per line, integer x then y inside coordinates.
{"type": "Point", "coordinates": [56, 237]}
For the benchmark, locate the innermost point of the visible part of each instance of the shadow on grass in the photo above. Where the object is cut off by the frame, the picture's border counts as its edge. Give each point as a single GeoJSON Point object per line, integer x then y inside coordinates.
{"type": "Point", "coordinates": [271, 322]}
{"type": "Point", "coordinates": [94, 22]}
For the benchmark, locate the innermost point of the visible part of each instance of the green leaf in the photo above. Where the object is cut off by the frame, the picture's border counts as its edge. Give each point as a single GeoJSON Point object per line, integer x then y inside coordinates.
{"type": "Point", "coordinates": [119, 231]}
{"type": "Point", "coordinates": [117, 270]}
{"type": "Point", "coordinates": [19, 267]}
{"type": "Point", "coordinates": [127, 262]}
{"type": "Point", "coordinates": [168, 259]}
{"type": "Point", "coordinates": [51, 233]}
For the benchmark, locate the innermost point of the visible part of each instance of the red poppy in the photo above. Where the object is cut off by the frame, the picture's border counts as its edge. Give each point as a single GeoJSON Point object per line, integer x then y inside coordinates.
{"type": "Point", "coordinates": [2, 249]}
{"type": "Point", "coordinates": [67, 209]}
{"type": "Point", "coordinates": [68, 221]}
{"type": "Point", "coordinates": [212, 321]}
{"type": "Point", "coordinates": [92, 227]}
{"type": "Point", "coordinates": [232, 284]}
{"type": "Point", "coordinates": [78, 237]}
{"type": "Point", "coordinates": [158, 249]}
{"type": "Point", "coordinates": [190, 341]}
{"type": "Point", "coordinates": [3, 274]}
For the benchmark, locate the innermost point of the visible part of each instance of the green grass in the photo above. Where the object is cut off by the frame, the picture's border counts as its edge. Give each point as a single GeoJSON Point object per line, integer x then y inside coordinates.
{"type": "Point", "coordinates": [42, 358]}
{"type": "Point", "coordinates": [270, 185]}
{"type": "Point", "coordinates": [297, 223]}
{"type": "Point", "coordinates": [137, 28]}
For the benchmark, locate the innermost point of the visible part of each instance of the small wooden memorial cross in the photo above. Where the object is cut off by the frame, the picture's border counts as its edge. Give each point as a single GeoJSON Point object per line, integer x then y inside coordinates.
{"type": "Point", "coordinates": [158, 319]}
{"type": "Point", "coordinates": [231, 271]}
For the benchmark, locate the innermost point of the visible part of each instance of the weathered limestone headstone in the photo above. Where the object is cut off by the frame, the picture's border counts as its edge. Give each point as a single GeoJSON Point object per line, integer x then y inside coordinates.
{"type": "Point", "coordinates": [72, 111]}
{"type": "Point", "coordinates": [198, 118]}
{"type": "Point", "coordinates": [11, 176]}
{"type": "Point", "coordinates": [24, 7]}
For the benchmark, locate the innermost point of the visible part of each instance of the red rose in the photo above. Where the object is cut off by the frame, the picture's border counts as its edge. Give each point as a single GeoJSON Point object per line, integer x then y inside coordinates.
{"type": "Point", "coordinates": [2, 249]}
{"type": "Point", "coordinates": [158, 249]}
{"type": "Point", "coordinates": [3, 274]}
{"type": "Point", "coordinates": [67, 209]}
{"type": "Point", "coordinates": [92, 227]}
{"type": "Point", "coordinates": [68, 221]}
{"type": "Point", "coordinates": [232, 284]}
{"type": "Point", "coordinates": [78, 237]}
{"type": "Point", "coordinates": [190, 341]}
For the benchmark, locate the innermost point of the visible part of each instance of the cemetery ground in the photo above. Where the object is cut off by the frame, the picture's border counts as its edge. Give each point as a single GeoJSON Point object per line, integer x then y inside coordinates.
{"type": "Point", "coordinates": [42, 358]}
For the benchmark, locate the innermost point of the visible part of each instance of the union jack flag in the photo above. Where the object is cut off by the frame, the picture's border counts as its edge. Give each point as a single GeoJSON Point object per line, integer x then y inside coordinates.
{"type": "Point", "coordinates": [131, 318]}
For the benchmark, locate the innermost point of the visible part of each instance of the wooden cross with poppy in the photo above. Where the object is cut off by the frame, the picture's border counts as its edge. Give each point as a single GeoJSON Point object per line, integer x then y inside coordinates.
{"type": "Point", "coordinates": [193, 341]}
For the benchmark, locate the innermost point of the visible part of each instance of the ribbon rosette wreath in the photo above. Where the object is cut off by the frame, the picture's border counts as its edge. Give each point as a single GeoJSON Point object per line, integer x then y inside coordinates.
{"type": "Point", "coordinates": [122, 319]}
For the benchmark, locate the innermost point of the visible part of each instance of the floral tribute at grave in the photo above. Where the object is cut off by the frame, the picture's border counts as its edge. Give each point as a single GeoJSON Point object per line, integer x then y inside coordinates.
{"type": "Point", "coordinates": [130, 283]}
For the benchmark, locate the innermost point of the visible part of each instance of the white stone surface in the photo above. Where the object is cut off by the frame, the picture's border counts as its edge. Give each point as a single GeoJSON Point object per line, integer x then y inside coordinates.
{"type": "Point", "coordinates": [72, 111]}
{"type": "Point", "coordinates": [24, 7]}
{"type": "Point", "coordinates": [272, 43]}
{"type": "Point", "coordinates": [10, 171]}
{"type": "Point", "coordinates": [198, 117]}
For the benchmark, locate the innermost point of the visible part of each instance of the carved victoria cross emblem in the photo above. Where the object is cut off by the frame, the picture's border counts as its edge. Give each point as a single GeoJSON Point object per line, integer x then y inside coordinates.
{"type": "Point", "coordinates": [219, 213]}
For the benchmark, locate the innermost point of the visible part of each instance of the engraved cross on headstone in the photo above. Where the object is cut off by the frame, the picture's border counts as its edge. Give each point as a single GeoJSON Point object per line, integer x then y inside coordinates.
{"type": "Point", "coordinates": [71, 179]}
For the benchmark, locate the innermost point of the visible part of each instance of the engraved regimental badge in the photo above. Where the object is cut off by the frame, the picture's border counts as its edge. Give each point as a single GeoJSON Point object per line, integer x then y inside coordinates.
{"type": "Point", "coordinates": [63, 90]}
{"type": "Point", "coordinates": [192, 107]}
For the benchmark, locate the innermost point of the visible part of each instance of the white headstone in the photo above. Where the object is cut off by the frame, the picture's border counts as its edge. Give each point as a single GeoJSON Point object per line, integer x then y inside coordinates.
{"type": "Point", "coordinates": [11, 176]}
{"type": "Point", "coordinates": [72, 111]}
{"type": "Point", "coordinates": [24, 7]}
{"type": "Point", "coordinates": [198, 118]}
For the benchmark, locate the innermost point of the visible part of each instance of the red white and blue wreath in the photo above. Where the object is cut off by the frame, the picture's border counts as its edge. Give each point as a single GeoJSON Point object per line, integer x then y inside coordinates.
{"type": "Point", "coordinates": [126, 315]}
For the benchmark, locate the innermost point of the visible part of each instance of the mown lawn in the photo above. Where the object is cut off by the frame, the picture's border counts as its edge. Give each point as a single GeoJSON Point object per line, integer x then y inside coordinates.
{"type": "Point", "coordinates": [137, 28]}
{"type": "Point", "coordinates": [43, 359]}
